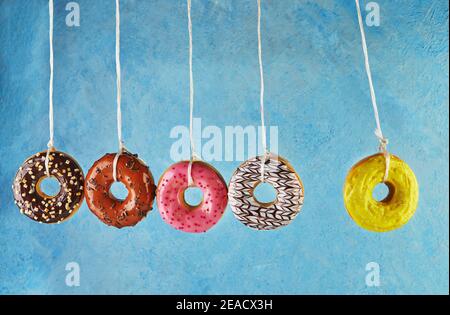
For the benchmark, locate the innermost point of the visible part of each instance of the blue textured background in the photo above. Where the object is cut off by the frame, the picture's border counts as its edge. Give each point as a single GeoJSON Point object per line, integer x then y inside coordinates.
{"type": "Point", "coordinates": [317, 94]}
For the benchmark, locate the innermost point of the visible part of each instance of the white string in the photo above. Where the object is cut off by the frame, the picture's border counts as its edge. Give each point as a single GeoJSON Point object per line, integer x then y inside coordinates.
{"type": "Point", "coordinates": [261, 73]}
{"type": "Point", "coordinates": [194, 155]}
{"type": "Point", "coordinates": [378, 132]}
{"type": "Point", "coordinates": [50, 144]}
{"type": "Point", "coordinates": [122, 148]}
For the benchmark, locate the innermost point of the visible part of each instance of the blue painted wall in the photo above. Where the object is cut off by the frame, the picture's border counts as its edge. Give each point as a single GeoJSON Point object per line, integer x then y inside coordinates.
{"type": "Point", "coordinates": [317, 94]}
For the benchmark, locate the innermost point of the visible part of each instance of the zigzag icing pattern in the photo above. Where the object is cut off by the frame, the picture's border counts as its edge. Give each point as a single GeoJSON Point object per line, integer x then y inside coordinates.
{"type": "Point", "coordinates": [285, 181]}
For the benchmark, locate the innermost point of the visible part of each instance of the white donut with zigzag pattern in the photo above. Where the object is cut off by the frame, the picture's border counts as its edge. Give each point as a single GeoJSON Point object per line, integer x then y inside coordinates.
{"type": "Point", "coordinates": [266, 216]}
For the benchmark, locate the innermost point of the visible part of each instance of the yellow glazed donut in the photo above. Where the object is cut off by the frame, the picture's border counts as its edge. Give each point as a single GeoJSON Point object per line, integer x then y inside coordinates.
{"type": "Point", "coordinates": [390, 213]}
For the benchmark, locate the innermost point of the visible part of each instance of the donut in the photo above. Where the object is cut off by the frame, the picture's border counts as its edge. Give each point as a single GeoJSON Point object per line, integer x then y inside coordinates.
{"type": "Point", "coordinates": [390, 213]}
{"type": "Point", "coordinates": [259, 215]}
{"type": "Point", "coordinates": [177, 212]}
{"type": "Point", "coordinates": [136, 177]}
{"type": "Point", "coordinates": [33, 202]}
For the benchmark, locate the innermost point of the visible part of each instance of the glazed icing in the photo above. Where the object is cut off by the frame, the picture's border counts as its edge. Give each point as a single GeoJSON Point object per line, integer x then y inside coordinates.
{"type": "Point", "coordinates": [392, 212]}
{"type": "Point", "coordinates": [138, 180]}
{"type": "Point", "coordinates": [170, 197]}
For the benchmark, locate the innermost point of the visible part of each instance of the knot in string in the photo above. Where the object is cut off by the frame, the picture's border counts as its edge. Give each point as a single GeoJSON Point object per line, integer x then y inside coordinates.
{"type": "Point", "coordinates": [122, 150]}
{"type": "Point", "coordinates": [50, 148]}
{"type": "Point", "coordinates": [264, 159]}
{"type": "Point", "coordinates": [194, 157]}
{"type": "Point", "coordinates": [382, 140]}
{"type": "Point", "coordinates": [382, 147]}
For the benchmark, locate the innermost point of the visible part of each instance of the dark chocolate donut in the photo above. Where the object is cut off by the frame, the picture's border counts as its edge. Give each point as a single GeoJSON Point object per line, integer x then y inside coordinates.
{"type": "Point", "coordinates": [136, 177]}
{"type": "Point", "coordinates": [34, 203]}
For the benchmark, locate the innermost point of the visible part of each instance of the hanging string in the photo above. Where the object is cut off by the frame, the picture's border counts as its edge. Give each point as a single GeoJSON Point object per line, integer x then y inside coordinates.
{"type": "Point", "coordinates": [378, 132]}
{"type": "Point", "coordinates": [261, 73]}
{"type": "Point", "coordinates": [194, 156]}
{"type": "Point", "coordinates": [50, 144]}
{"type": "Point", "coordinates": [122, 148]}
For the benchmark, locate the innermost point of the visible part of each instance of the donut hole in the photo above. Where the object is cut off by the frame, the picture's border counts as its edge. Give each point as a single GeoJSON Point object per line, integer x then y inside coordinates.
{"type": "Point", "coordinates": [119, 191]}
{"type": "Point", "coordinates": [193, 196]}
{"type": "Point", "coordinates": [383, 192]}
{"type": "Point", "coordinates": [265, 194]}
{"type": "Point", "coordinates": [49, 187]}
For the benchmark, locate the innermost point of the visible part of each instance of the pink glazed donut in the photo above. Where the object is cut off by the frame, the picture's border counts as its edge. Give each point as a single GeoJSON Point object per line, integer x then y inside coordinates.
{"type": "Point", "coordinates": [173, 207]}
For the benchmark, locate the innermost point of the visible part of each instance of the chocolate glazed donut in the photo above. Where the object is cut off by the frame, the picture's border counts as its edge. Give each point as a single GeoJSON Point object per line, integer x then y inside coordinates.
{"type": "Point", "coordinates": [33, 202]}
{"type": "Point", "coordinates": [136, 177]}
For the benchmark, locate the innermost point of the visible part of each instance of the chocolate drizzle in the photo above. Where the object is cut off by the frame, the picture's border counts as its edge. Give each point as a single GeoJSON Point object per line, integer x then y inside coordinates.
{"type": "Point", "coordinates": [34, 203]}
{"type": "Point", "coordinates": [266, 216]}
